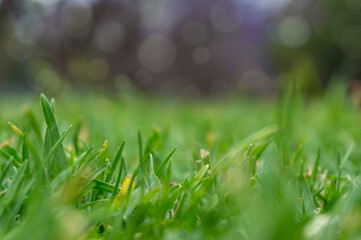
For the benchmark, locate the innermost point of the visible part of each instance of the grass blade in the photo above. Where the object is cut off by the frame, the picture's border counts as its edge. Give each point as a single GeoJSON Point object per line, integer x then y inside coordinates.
{"type": "Point", "coordinates": [115, 162]}
{"type": "Point", "coordinates": [315, 167]}
{"type": "Point", "coordinates": [60, 161]}
{"type": "Point", "coordinates": [60, 141]}
{"type": "Point", "coordinates": [165, 162]}
{"type": "Point", "coordinates": [15, 184]}
{"type": "Point", "coordinates": [117, 181]}
{"type": "Point", "coordinates": [29, 144]}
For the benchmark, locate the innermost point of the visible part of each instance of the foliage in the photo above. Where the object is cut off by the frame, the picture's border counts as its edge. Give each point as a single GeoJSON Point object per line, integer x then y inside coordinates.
{"type": "Point", "coordinates": [296, 177]}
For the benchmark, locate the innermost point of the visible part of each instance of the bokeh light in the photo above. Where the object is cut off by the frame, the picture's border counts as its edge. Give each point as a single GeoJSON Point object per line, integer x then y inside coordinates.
{"type": "Point", "coordinates": [157, 53]}
{"type": "Point", "coordinates": [201, 55]}
{"type": "Point", "coordinates": [76, 17]}
{"type": "Point", "coordinates": [168, 44]}
{"type": "Point", "coordinates": [109, 36]}
{"type": "Point", "coordinates": [98, 69]}
{"type": "Point", "coordinates": [294, 31]}
{"type": "Point", "coordinates": [225, 16]}
{"type": "Point", "coordinates": [194, 33]}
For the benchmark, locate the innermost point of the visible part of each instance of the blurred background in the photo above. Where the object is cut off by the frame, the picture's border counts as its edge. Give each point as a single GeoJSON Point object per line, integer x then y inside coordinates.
{"type": "Point", "coordinates": [183, 47]}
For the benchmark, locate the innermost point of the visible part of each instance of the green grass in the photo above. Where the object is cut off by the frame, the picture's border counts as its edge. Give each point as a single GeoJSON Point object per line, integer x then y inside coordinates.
{"type": "Point", "coordinates": [126, 167]}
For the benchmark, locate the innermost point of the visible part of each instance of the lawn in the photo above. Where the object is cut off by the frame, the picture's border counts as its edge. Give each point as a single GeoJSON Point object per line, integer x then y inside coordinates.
{"type": "Point", "coordinates": [149, 167]}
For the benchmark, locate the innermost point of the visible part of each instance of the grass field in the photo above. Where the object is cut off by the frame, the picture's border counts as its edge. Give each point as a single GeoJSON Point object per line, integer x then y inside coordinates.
{"type": "Point", "coordinates": [145, 167]}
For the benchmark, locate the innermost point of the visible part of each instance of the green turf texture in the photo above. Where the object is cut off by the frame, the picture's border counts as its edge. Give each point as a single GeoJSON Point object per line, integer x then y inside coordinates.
{"type": "Point", "coordinates": [142, 167]}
